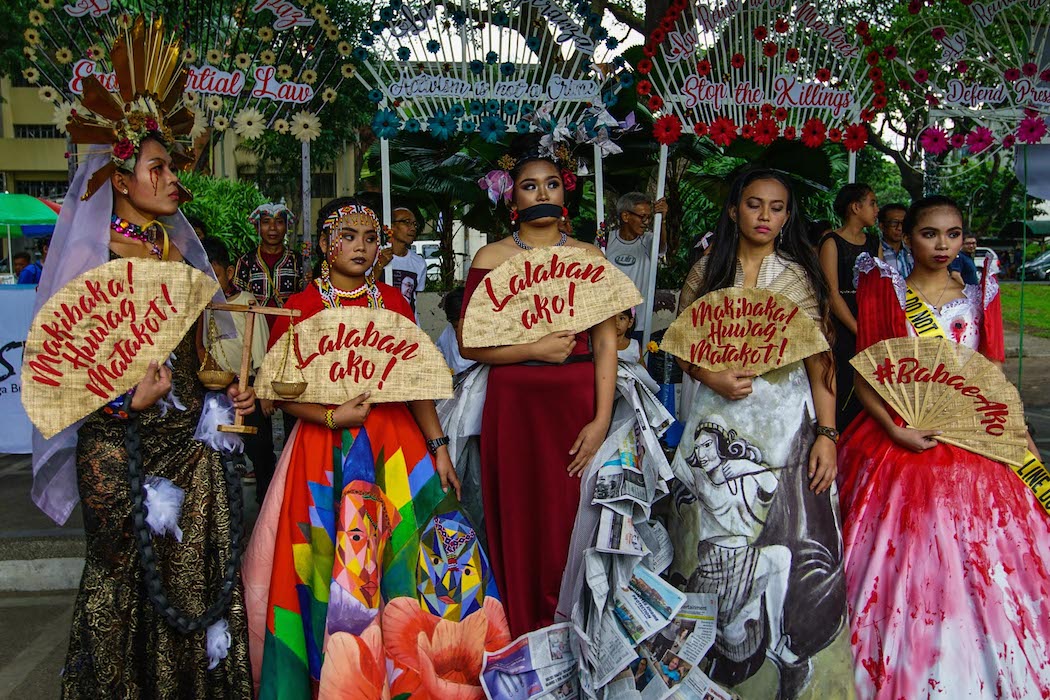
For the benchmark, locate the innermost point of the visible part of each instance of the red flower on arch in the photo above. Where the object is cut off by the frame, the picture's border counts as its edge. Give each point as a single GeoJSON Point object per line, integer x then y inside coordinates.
{"type": "Point", "coordinates": [856, 137]}
{"type": "Point", "coordinates": [769, 50]}
{"type": "Point", "coordinates": [700, 129]}
{"type": "Point", "coordinates": [766, 131]}
{"type": "Point", "coordinates": [834, 135]}
{"type": "Point", "coordinates": [737, 61]}
{"type": "Point", "coordinates": [723, 131]}
{"type": "Point", "coordinates": [760, 32]}
{"type": "Point", "coordinates": [792, 55]}
{"type": "Point", "coordinates": [703, 68]}
{"type": "Point", "coordinates": [667, 129]}
{"type": "Point", "coordinates": [813, 133]}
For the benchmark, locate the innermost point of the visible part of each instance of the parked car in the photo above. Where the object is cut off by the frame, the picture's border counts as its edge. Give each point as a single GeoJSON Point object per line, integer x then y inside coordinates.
{"type": "Point", "coordinates": [1038, 269]}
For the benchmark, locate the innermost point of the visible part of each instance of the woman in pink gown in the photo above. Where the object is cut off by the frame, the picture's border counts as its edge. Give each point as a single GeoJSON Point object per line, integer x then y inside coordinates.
{"type": "Point", "coordinates": [946, 551]}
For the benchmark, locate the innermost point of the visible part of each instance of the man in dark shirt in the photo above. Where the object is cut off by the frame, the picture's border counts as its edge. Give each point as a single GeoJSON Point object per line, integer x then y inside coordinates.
{"type": "Point", "coordinates": [272, 272]}
{"type": "Point", "coordinates": [964, 263]}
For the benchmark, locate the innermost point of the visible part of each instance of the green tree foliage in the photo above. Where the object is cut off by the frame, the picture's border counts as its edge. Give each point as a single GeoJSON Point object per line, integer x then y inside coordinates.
{"type": "Point", "coordinates": [224, 205]}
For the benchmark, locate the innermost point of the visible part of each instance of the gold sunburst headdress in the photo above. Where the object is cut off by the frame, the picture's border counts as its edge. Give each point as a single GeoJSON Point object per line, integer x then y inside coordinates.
{"type": "Point", "coordinates": [150, 78]}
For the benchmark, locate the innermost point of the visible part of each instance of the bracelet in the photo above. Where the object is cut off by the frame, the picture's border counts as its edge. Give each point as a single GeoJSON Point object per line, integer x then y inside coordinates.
{"type": "Point", "coordinates": [437, 443]}
{"type": "Point", "coordinates": [329, 419]}
{"type": "Point", "coordinates": [829, 433]}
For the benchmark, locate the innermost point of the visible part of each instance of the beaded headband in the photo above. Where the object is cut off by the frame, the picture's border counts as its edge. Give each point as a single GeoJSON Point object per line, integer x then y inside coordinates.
{"type": "Point", "coordinates": [273, 209]}
{"type": "Point", "coordinates": [342, 212]}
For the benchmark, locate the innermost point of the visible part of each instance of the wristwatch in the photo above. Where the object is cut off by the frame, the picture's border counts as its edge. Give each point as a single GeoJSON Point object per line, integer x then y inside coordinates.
{"type": "Point", "coordinates": [829, 433]}
{"type": "Point", "coordinates": [433, 445]}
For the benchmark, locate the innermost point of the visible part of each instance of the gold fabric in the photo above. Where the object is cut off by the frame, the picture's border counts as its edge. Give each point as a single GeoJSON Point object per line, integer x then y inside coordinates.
{"type": "Point", "coordinates": [119, 646]}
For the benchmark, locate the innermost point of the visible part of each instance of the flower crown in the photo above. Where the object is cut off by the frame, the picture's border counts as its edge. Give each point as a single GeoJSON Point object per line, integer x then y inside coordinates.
{"type": "Point", "coordinates": [151, 77]}
{"type": "Point", "coordinates": [499, 184]}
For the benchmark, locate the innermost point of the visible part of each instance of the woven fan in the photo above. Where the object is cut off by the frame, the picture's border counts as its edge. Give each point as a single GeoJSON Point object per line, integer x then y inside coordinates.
{"type": "Point", "coordinates": [738, 328]}
{"type": "Point", "coordinates": [935, 384]}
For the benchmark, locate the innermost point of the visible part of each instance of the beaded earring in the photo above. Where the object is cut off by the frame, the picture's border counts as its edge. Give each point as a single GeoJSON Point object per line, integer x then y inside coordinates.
{"type": "Point", "coordinates": [513, 216]}
{"type": "Point", "coordinates": [325, 272]}
{"type": "Point", "coordinates": [564, 213]}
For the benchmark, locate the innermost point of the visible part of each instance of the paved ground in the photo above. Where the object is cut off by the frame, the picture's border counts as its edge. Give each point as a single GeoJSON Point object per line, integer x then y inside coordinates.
{"type": "Point", "coordinates": [34, 626]}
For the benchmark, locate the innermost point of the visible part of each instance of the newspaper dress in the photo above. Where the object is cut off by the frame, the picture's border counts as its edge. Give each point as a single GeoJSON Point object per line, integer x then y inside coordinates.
{"type": "Point", "coordinates": [747, 529]}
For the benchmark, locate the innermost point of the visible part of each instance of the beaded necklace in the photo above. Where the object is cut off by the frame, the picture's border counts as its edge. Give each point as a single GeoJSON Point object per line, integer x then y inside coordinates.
{"type": "Point", "coordinates": [525, 246]}
{"type": "Point", "coordinates": [333, 297]}
{"type": "Point", "coordinates": [136, 233]}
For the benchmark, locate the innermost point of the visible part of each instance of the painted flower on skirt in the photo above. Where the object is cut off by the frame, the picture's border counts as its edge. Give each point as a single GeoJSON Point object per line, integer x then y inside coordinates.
{"type": "Point", "coordinates": [492, 129]}
{"type": "Point", "coordinates": [933, 140]}
{"type": "Point", "coordinates": [792, 55]}
{"type": "Point", "coordinates": [766, 131]}
{"type": "Point", "coordinates": [655, 103]}
{"type": "Point", "coordinates": [386, 123]}
{"type": "Point", "coordinates": [249, 123]}
{"type": "Point", "coordinates": [611, 43]}
{"type": "Point", "coordinates": [855, 138]}
{"type": "Point", "coordinates": [769, 50]}
{"type": "Point", "coordinates": [305, 126]}
{"type": "Point", "coordinates": [737, 61]}
{"type": "Point", "coordinates": [813, 133]}
{"type": "Point", "coordinates": [979, 139]}
{"type": "Point", "coordinates": [412, 126]}
{"type": "Point", "coordinates": [667, 129]}
{"type": "Point", "coordinates": [1031, 130]}
{"type": "Point", "coordinates": [723, 131]}
{"type": "Point", "coordinates": [703, 68]}
{"type": "Point", "coordinates": [442, 126]}
{"type": "Point", "coordinates": [220, 123]}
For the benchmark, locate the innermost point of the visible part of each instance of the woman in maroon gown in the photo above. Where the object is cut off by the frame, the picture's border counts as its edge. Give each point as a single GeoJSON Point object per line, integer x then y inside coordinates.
{"type": "Point", "coordinates": [547, 409]}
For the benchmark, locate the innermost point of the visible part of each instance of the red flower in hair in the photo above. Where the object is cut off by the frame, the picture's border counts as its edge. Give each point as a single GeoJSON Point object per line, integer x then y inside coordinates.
{"type": "Point", "coordinates": [737, 61]}
{"type": "Point", "coordinates": [761, 32]}
{"type": "Point", "coordinates": [747, 132]}
{"type": "Point", "coordinates": [766, 131]}
{"type": "Point", "coordinates": [568, 180]}
{"type": "Point", "coordinates": [644, 87]}
{"type": "Point", "coordinates": [789, 133]}
{"type": "Point", "coordinates": [834, 135]}
{"type": "Point", "coordinates": [872, 58]}
{"type": "Point", "coordinates": [723, 131]}
{"type": "Point", "coordinates": [123, 149]}
{"type": "Point", "coordinates": [823, 75]}
{"type": "Point", "coordinates": [770, 49]}
{"type": "Point", "coordinates": [856, 137]}
{"type": "Point", "coordinates": [700, 129]}
{"type": "Point", "coordinates": [781, 114]}
{"type": "Point", "coordinates": [863, 28]}
{"type": "Point", "coordinates": [813, 133]}
{"type": "Point", "coordinates": [656, 103]}
{"type": "Point", "coordinates": [1011, 74]}
{"type": "Point", "coordinates": [645, 66]}
{"type": "Point", "coordinates": [878, 102]}
{"type": "Point", "coordinates": [791, 55]}
{"type": "Point", "coordinates": [751, 114]}
{"type": "Point", "coordinates": [667, 129]}
{"type": "Point", "coordinates": [875, 73]}
{"type": "Point", "coordinates": [151, 124]}
{"type": "Point", "coordinates": [781, 26]}
{"type": "Point", "coordinates": [703, 68]}
{"type": "Point", "coordinates": [921, 76]}
{"type": "Point", "coordinates": [890, 52]}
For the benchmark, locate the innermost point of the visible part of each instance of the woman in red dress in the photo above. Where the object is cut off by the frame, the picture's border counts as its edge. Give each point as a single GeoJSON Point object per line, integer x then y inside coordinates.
{"type": "Point", "coordinates": [547, 409]}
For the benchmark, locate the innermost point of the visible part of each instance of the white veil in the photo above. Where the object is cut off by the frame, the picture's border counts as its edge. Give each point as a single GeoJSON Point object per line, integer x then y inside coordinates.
{"type": "Point", "coordinates": [80, 243]}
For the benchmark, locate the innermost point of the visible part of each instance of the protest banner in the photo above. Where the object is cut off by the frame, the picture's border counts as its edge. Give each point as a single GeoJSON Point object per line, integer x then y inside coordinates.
{"type": "Point", "coordinates": [543, 291]}
{"type": "Point", "coordinates": [740, 329]}
{"type": "Point", "coordinates": [93, 340]}
{"type": "Point", "coordinates": [342, 353]}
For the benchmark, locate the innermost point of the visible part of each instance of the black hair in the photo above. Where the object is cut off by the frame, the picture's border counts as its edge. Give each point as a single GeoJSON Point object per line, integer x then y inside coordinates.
{"type": "Point", "coordinates": [936, 201]}
{"type": "Point", "coordinates": [816, 230]}
{"type": "Point", "coordinates": [792, 244]}
{"type": "Point", "coordinates": [524, 149]}
{"type": "Point", "coordinates": [453, 304]}
{"type": "Point", "coordinates": [22, 255]}
{"type": "Point", "coordinates": [848, 195]}
{"type": "Point", "coordinates": [885, 209]}
{"type": "Point", "coordinates": [197, 223]}
{"type": "Point", "coordinates": [216, 251]}
{"type": "Point", "coordinates": [632, 316]}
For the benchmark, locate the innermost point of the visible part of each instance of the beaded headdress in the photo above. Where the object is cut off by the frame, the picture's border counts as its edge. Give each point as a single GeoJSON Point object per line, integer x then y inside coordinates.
{"type": "Point", "coordinates": [273, 209]}
{"type": "Point", "coordinates": [150, 77]}
{"type": "Point", "coordinates": [341, 213]}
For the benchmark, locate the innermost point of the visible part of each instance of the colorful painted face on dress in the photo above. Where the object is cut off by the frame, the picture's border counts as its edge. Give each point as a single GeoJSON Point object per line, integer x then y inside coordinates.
{"type": "Point", "coordinates": [351, 248]}
{"type": "Point", "coordinates": [538, 182]}
{"type": "Point", "coordinates": [761, 213]}
{"type": "Point", "coordinates": [452, 572]}
{"type": "Point", "coordinates": [152, 188]}
{"type": "Point", "coordinates": [937, 238]}
{"type": "Point", "coordinates": [365, 526]}
{"type": "Point", "coordinates": [272, 229]}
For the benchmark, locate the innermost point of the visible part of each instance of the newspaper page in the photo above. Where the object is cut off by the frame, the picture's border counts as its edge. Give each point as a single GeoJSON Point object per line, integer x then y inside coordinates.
{"type": "Point", "coordinates": [670, 657]}
{"type": "Point", "coordinates": [613, 651]}
{"type": "Point", "coordinates": [617, 535]}
{"type": "Point", "coordinates": [697, 686]}
{"type": "Point", "coordinates": [646, 604]}
{"type": "Point", "coordinates": [620, 478]}
{"type": "Point", "coordinates": [656, 539]}
{"type": "Point", "coordinates": [538, 664]}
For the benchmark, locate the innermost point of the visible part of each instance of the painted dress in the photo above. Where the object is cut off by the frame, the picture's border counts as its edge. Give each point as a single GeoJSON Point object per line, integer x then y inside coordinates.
{"type": "Point", "coordinates": [747, 528]}
{"type": "Point", "coordinates": [364, 579]}
{"type": "Point", "coordinates": [946, 551]}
